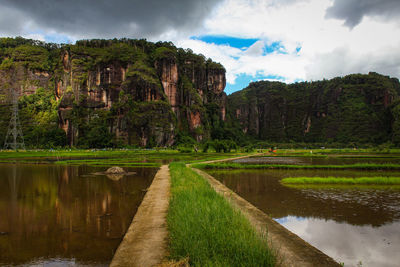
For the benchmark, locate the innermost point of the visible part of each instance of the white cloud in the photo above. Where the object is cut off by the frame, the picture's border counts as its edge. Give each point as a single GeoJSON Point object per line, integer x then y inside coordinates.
{"type": "Point", "coordinates": [36, 36]}
{"type": "Point", "coordinates": [328, 48]}
{"type": "Point", "coordinates": [257, 49]}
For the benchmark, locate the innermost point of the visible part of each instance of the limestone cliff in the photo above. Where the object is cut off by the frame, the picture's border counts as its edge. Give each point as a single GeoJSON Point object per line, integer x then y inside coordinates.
{"type": "Point", "coordinates": [144, 93]}
{"type": "Point", "coordinates": [356, 108]}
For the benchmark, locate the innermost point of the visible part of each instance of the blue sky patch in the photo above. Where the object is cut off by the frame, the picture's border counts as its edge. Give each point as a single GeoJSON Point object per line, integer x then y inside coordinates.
{"type": "Point", "coordinates": [243, 80]}
{"type": "Point", "coordinates": [54, 38]}
{"type": "Point", "coordinates": [275, 46]}
{"type": "Point", "coordinates": [240, 43]}
{"type": "Point", "coordinates": [57, 38]}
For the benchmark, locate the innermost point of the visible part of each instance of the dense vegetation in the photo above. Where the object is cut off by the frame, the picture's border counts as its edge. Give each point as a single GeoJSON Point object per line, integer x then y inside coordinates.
{"type": "Point", "coordinates": [204, 227]}
{"type": "Point", "coordinates": [69, 86]}
{"type": "Point", "coordinates": [342, 180]}
{"type": "Point", "coordinates": [356, 109]}
{"type": "Point", "coordinates": [359, 166]}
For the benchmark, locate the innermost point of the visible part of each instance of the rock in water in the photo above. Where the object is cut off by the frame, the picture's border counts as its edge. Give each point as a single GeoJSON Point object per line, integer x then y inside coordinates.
{"type": "Point", "coordinates": [115, 177]}
{"type": "Point", "coordinates": [115, 170]}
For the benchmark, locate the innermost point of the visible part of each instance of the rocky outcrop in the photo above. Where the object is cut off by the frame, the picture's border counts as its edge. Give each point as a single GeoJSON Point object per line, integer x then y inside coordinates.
{"type": "Point", "coordinates": [22, 80]}
{"type": "Point", "coordinates": [168, 72]}
{"type": "Point", "coordinates": [356, 108]}
{"type": "Point", "coordinates": [144, 92]}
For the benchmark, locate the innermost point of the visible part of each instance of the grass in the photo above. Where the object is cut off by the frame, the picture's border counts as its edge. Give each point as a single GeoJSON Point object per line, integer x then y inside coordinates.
{"type": "Point", "coordinates": [360, 166]}
{"type": "Point", "coordinates": [108, 162]}
{"type": "Point", "coordinates": [126, 157]}
{"type": "Point", "coordinates": [343, 186]}
{"type": "Point", "coordinates": [348, 151]}
{"type": "Point", "coordinates": [343, 180]}
{"type": "Point", "coordinates": [204, 227]}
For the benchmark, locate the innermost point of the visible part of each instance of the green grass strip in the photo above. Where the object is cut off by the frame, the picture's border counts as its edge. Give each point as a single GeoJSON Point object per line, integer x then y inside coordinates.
{"type": "Point", "coordinates": [343, 180]}
{"type": "Point", "coordinates": [204, 227]}
{"type": "Point", "coordinates": [360, 166]}
{"type": "Point", "coordinates": [108, 162]}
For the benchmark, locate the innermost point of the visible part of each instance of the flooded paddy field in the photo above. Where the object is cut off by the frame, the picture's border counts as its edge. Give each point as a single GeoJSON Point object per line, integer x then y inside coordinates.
{"type": "Point", "coordinates": [355, 225]}
{"type": "Point", "coordinates": [128, 158]}
{"type": "Point", "coordinates": [61, 215]}
{"type": "Point", "coordinates": [331, 160]}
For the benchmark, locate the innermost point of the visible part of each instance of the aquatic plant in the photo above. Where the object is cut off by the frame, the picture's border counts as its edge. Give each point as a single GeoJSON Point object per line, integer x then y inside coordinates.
{"type": "Point", "coordinates": [359, 166]}
{"type": "Point", "coordinates": [342, 180]}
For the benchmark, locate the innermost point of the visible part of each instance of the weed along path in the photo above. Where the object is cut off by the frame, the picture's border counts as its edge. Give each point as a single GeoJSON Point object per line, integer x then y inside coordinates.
{"type": "Point", "coordinates": [145, 243]}
{"type": "Point", "coordinates": [291, 249]}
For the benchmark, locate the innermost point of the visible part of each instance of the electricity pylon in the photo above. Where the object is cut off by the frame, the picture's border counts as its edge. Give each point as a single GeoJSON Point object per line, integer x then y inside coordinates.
{"type": "Point", "coordinates": [14, 138]}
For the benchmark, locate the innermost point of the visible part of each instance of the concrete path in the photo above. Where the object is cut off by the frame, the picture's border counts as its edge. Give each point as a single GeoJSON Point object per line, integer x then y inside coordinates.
{"type": "Point", "coordinates": [228, 159]}
{"type": "Point", "coordinates": [291, 249]}
{"type": "Point", "coordinates": [145, 242]}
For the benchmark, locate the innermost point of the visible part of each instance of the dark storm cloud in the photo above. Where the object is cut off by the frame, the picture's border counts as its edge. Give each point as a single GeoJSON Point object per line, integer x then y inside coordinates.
{"type": "Point", "coordinates": [353, 11]}
{"type": "Point", "coordinates": [100, 18]}
{"type": "Point", "coordinates": [9, 25]}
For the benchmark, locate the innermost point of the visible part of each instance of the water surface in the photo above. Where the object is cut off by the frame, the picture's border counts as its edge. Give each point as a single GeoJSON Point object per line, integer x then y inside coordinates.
{"type": "Point", "coordinates": [350, 224]}
{"type": "Point", "coordinates": [317, 160]}
{"type": "Point", "coordinates": [55, 215]}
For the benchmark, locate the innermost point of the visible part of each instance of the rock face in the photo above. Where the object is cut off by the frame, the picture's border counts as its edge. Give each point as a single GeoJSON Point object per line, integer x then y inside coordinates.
{"type": "Point", "coordinates": [145, 93]}
{"type": "Point", "coordinates": [356, 108]}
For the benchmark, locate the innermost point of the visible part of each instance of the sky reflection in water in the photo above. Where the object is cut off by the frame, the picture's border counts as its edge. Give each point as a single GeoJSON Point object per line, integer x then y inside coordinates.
{"type": "Point", "coordinates": [350, 224]}
{"type": "Point", "coordinates": [351, 244]}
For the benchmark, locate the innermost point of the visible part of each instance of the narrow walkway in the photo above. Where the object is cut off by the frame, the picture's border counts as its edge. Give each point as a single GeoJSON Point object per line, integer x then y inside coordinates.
{"type": "Point", "coordinates": [228, 159]}
{"type": "Point", "coordinates": [291, 249]}
{"type": "Point", "coordinates": [145, 242]}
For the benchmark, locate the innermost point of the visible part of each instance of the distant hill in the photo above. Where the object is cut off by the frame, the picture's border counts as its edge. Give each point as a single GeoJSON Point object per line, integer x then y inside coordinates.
{"type": "Point", "coordinates": [354, 109]}
{"type": "Point", "coordinates": [101, 93]}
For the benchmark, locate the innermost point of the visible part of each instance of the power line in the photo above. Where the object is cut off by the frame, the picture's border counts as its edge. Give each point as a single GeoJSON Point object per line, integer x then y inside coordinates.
{"type": "Point", "coordinates": [14, 138]}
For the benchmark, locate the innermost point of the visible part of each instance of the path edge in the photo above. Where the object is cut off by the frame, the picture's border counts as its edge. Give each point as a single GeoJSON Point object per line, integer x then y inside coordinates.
{"type": "Point", "coordinates": [290, 248]}
{"type": "Point", "coordinates": [145, 243]}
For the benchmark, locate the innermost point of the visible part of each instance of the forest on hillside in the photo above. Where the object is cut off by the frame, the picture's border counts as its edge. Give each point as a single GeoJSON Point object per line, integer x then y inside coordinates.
{"type": "Point", "coordinates": [356, 109]}
{"type": "Point", "coordinates": [135, 93]}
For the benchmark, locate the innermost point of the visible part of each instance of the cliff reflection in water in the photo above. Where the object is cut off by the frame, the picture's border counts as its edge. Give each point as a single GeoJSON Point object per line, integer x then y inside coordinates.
{"type": "Point", "coordinates": [60, 212]}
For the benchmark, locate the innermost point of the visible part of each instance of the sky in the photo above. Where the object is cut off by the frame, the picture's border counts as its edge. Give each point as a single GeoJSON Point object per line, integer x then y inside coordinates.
{"type": "Point", "coordinates": [281, 40]}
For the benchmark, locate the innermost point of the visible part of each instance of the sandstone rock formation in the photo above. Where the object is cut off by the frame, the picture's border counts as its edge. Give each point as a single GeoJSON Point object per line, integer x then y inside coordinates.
{"type": "Point", "coordinates": [145, 92]}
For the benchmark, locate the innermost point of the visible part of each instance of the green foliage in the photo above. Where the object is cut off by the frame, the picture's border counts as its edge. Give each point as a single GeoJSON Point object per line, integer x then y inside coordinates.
{"type": "Point", "coordinates": [164, 53]}
{"type": "Point", "coordinates": [142, 71]}
{"type": "Point", "coordinates": [184, 139]}
{"type": "Point", "coordinates": [206, 146]}
{"type": "Point", "coordinates": [151, 120]}
{"type": "Point", "coordinates": [353, 109]}
{"type": "Point", "coordinates": [395, 111]}
{"type": "Point", "coordinates": [7, 42]}
{"type": "Point", "coordinates": [223, 145]}
{"type": "Point", "coordinates": [214, 65]}
{"type": "Point", "coordinates": [30, 56]}
{"type": "Point", "coordinates": [342, 180]}
{"type": "Point", "coordinates": [34, 57]}
{"type": "Point", "coordinates": [7, 64]}
{"type": "Point", "coordinates": [92, 127]}
{"type": "Point", "coordinates": [39, 120]}
{"type": "Point", "coordinates": [204, 227]}
{"type": "Point", "coordinates": [360, 166]}
{"type": "Point", "coordinates": [185, 149]}
{"type": "Point", "coordinates": [98, 134]}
